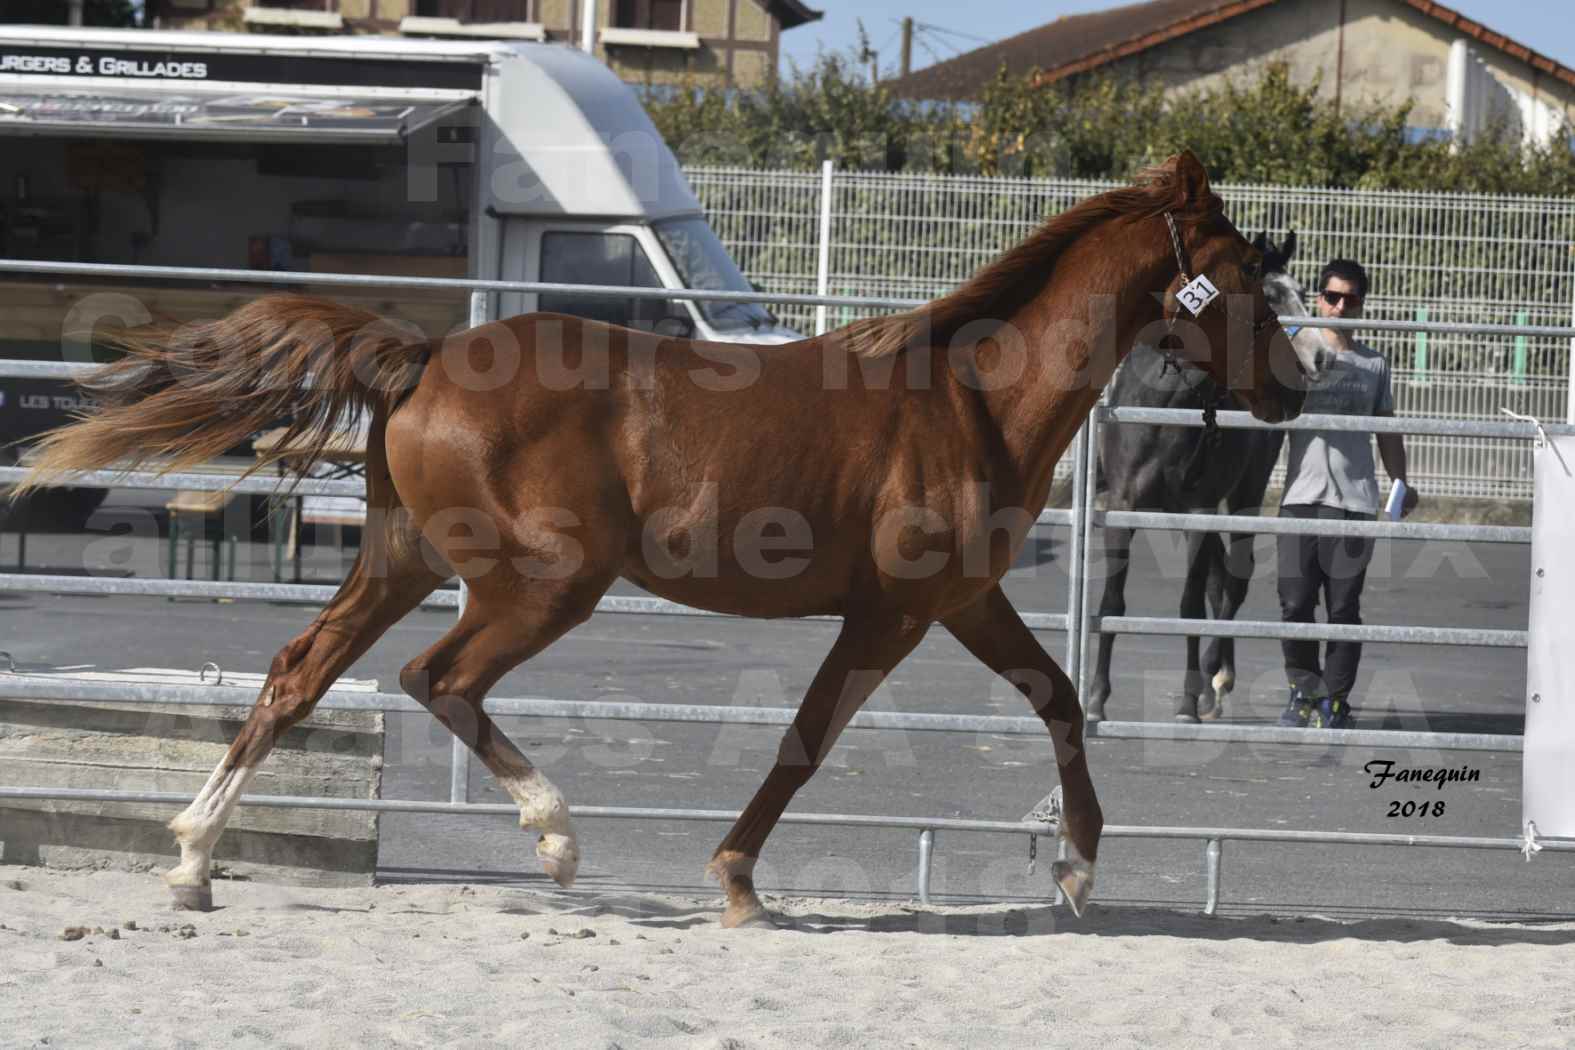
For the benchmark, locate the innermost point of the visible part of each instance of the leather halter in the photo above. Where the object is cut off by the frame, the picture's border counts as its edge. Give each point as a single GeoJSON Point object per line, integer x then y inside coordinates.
{"type": "Point", "coordinates": [1210, 438]}
{"type": "Point", "coordinates": [1175, 243]}
{"type": "Point", "coordinates": [1186, 278]}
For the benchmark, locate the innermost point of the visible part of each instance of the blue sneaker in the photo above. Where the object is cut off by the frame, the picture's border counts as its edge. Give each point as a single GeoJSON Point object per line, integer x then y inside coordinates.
{"type": "Point", "coordinates": [1298, 713]}
{"type": "Point", "coordinates": [1332, 713]}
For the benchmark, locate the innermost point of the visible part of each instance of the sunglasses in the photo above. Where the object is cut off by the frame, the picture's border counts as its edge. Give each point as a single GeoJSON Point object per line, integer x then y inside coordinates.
{"type": "Point", "coordinates": [1335, 298]}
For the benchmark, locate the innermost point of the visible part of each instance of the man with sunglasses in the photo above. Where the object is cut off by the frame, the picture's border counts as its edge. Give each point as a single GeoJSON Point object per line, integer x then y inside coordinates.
{"type": "Point", "coordinates": [1330, 475]}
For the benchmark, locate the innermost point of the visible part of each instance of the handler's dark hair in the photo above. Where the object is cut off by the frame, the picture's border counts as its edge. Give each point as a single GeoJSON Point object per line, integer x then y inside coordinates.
{"type": "Point", "coordinates": [1346, 270]}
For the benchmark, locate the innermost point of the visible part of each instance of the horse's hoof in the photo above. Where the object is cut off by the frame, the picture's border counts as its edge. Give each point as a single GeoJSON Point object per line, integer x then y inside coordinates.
{"type": "Point", "coordinates": [1076, 879]}
{"type": "Point", "coordinates": [756, 918]}
{"type": "Point", "coordinates": [1187, 710]}
{"type": "Point", "coordinates": [1214, 711]}
{"type": "Point", "coordinates": [1095, 713]}
{"type": "Point", "coordinates": [192, 898]}
{"type": "Point", "coordinates": [560, 858]}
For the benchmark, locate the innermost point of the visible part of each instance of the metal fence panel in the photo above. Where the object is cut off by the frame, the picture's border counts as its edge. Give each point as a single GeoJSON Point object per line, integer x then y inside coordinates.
{"type": "Point", "coordinates": [1432, 257]}
{"type": "Point", "coordinates": [1077, 622]}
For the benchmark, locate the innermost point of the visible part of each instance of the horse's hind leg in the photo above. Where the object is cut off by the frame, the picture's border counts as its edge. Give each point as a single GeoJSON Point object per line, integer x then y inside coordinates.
{"type": "Point", "coordinates": [1118, 558]}
{"type": "Point", "coordinates": [499, 630]}
{"type": "Point", "coordinates": [864, 653]}
{"type": "Point", "coordinates": [993, 632]}
{"type": "Point", "coordinates": [390, 577]}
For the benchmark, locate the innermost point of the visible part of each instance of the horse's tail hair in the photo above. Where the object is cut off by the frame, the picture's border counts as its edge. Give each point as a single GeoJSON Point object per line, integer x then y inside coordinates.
{"type": "Point", "coordinates": [182, 394]}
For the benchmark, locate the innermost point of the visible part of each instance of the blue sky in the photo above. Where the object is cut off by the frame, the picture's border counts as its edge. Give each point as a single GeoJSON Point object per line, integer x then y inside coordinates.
{"type": "Point", "coordinates": [1543, 25]}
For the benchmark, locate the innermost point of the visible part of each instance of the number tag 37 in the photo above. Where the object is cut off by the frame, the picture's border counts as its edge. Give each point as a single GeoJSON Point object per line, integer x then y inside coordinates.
{"type": "Point", "coordinates": [1196, 294]}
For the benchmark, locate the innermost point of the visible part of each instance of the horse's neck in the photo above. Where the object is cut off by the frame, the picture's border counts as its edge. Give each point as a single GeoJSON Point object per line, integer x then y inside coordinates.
{"type": "Point", "coordinates": [1076, 331]}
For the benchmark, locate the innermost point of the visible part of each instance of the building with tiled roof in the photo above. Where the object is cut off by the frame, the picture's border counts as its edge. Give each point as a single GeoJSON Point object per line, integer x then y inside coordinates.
{"type": "Point", "coordinates": [720, 42]}
{"type": "Point", "coordinates": [1458, 72]}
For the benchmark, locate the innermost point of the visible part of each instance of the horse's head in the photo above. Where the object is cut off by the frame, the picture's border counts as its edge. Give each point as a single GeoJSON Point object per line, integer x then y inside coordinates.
{"type": "Point", "coordinates": [1276, 257]}
{"type": "Point", "coordinates": [1286, 298]}
{"type": "Point", "coordinates": [1216, 309]}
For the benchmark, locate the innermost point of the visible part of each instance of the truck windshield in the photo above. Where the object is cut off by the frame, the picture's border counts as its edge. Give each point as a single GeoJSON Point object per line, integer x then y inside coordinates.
{"type": "Point", "coordinates": [704, 265]}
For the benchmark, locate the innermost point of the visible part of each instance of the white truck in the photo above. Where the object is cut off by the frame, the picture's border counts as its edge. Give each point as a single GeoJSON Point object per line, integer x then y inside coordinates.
{"type": "Point", "coordinates": [516, 161]}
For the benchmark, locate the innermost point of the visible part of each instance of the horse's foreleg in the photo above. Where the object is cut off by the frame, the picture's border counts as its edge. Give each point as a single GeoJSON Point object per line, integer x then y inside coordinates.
{"type": "Point", "coordinates": [1203, 550]}
{"type": "Point", "coordinates": [371, 600]}
{"type": "Point", "coordinates": [864, 653]}
{"type": "Point", "coordinates": [993, 632]}
{"type": "Point", "coordinates": [451, 679]}
{"type": "Point", "coordinates": [1118, 557]}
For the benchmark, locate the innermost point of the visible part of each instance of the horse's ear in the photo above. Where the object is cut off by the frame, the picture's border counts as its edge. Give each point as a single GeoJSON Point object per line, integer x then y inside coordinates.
{"type": "Point", "coordinates": [1261, 242]}
{"type": "Point", "coordinates": [1192, 178]}
{"type": "Point", "coordinates": [1289, 248]}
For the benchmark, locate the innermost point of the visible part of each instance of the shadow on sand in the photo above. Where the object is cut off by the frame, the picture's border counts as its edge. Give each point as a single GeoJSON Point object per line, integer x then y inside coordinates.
{"type": "Point", "coordinates": [803, 915]}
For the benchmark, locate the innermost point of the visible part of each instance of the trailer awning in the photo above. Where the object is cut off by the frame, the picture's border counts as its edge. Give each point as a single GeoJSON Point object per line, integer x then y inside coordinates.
{"type": "Point", "coordinates": [259, 117]}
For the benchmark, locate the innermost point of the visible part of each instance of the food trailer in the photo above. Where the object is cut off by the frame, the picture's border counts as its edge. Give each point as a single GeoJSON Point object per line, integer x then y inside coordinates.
{"type": "Point", "coordinates": [507, 160]}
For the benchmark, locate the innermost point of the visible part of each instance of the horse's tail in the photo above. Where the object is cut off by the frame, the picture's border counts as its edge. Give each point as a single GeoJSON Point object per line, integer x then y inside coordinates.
{"type": "Point", "coordinates": [184, 394]}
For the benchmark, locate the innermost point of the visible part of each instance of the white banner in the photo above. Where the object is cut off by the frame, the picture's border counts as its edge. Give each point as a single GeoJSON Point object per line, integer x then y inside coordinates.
{"type": "Point", "coordinates": [1548, 769]}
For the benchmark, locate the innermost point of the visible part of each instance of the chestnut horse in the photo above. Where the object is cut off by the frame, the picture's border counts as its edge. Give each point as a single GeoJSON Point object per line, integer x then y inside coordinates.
{"type": "Point", "coordinates": [891, 469]}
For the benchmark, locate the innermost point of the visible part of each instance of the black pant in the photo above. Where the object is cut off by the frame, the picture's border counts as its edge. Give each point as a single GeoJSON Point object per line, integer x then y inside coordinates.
{"type": "Point", "coordinates": [1337, 567]}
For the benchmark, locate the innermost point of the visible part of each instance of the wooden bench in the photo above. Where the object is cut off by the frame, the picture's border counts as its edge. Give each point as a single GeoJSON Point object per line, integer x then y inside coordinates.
{"type": "Point", "coordinates": [191, 510]}
{"type": "Point", "coordinates": [200, 506]}
{"type": "Point", "coordinates": [346, 456]}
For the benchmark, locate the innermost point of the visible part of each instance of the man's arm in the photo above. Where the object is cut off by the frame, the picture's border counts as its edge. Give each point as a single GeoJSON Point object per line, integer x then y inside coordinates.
{"type": "Point", "coordinates": [1391, 449]}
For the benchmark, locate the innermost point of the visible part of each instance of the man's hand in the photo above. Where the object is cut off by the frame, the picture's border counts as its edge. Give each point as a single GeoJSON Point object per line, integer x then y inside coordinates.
{"type": "Point", "coordinates": [1408, 504]}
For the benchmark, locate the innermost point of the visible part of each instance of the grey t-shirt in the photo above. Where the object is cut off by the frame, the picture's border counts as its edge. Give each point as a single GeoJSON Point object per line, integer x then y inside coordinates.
{"type": "Point", "coordinates": [1335, 468]}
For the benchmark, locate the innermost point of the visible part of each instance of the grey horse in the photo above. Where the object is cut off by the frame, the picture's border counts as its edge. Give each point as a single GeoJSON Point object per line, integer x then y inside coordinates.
{"type": "Point", "coordinates": [1189, 470]}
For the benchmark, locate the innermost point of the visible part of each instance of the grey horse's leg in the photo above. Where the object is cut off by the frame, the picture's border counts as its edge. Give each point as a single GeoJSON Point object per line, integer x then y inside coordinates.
{"type": "Point", "coordinates": [1118, 558]}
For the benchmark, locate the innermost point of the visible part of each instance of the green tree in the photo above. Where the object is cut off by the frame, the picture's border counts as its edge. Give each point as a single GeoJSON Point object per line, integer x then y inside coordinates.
{"type": "Point", "coordinates": [1256, 128]}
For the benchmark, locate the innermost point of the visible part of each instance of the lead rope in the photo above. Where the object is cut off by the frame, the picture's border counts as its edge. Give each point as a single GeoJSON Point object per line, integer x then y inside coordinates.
{"type": "Point", "coordinates": [1542, 436]}
{"type": "Point", "coordinates": [1211, 433]}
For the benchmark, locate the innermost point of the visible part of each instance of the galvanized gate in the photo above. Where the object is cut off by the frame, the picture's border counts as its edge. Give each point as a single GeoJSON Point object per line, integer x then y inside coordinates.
{"type": "Point", "coordinates": [1076, 622]}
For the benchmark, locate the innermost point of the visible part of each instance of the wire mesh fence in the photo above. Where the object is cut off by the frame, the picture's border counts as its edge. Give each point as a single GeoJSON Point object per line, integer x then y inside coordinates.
{"type": "Point", "coordinates": [1432, 257]}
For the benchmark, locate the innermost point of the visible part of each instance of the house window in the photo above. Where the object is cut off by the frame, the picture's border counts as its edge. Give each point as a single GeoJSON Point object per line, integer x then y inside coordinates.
{"type": "Point", "coordinates": [650, 14]}
{"type": "Point", "coordinates": [476, 10]}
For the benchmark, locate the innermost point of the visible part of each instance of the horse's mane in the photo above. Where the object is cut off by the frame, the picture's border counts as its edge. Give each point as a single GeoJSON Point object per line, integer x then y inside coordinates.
{"type": "Point", "coordinates": [1002, 287]}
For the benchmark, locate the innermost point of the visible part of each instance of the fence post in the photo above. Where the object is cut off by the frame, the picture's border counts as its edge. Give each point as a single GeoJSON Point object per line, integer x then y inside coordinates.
{"type": "Point", "coordinates": [1569, 399]}
{"type": "Point", "coordinates": [823, 266]}
{"type": "Point", "coordinates": [1521, 344]}
{"type": "Point", "coordinates": [1085, 522]}
{"type": "Point", "coordinates": [1074, 561]}
{"type": "Point", "coordinates": [1211, 863]}
{"type": "Point", "coordinates": [926, 852]}
{"type": "Point", "coordinates": [1419, 360]}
